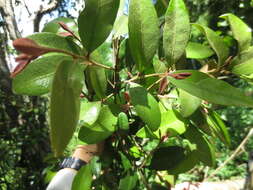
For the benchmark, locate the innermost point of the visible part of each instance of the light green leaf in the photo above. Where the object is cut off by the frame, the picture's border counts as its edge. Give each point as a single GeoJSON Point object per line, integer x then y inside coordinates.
{"type": "Point", "coordinates": [198, 51]}
{"type": "Point", "coordinates": [241, 31]}
{"type": "Point", "coordinates": [54, 27]}
{"type": "Point", "coordinates": [89, 112]}
{"type": "Point", "coordinates": [36, 78]}
{"type": "Point", "coordinates": [125, 162]}
{"type": "Point", "coordinates": [98, 80]}
{"type": "Point", "coordinates": [123, 121]}
{"type": "Point", "coordinates": [188, 103]}
{"type": "Point", "coordinates": [143, 32]}
{"type": "Point", "coordinates": [243, 57]}
{"type": "Point", "coordinates": [170, 125]}
{"type": "Point", "coordinates": [176, 31]}
{"type": "Point", "coordinates": [65, 104]}
{"type": "Point", "coordinates": [145, 105]}
{"type": "Point", "coordinates": [216, 42]}
{"type": "Point", "coordinates": [218, 127]}
{"type": "Point", "coordinates": [50, 40]}
{"type": "Point", "coordinates": [83, 179]}
{"type": "Point", "coordinates": [145, 132]}
{"type": "Point", "coordinates": [101, 129]}
{"type": "Point", "coordinates": [121, 26]}
{"type": "Point", "coordinates": [205, 150]}
{"type": "Point", "coordinates": [210, 89]}
{"type": "Point", "coordinates": [128, 182]}
{"type": "Point", "coordinates": [96, 22]}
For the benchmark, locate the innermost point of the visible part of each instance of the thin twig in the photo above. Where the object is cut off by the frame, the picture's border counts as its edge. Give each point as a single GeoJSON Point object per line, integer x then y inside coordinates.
{"type": "Point", "coordinates": [235, 153]}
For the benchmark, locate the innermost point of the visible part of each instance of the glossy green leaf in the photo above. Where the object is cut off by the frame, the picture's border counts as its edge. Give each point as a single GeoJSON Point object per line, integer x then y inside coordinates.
{"type": "Point", "coordinates": [89, 112]}
{"type": "Point", "coordinates": [98, 80]}
{"type": "Point", "coordinates": [145, 132]}
{"type": "Point", "coordinates": [218, 127]}
{"type": "Point", "coordinates": [198, 51]}
{"type": "Point", "coordinates": [205, 150]}
{"type": "Point", "coordinates": [96, 21]}
{"type": "Point", "coordinates": [101, 129]}
{"type": "Point", "coordinates": [210, 89]}
{"type": "Point", "coordinates": [145, 105]}
{"type": "Point", "coordinates": [123, 121]}
{"type": "Point", "coordinates": [54, 27]}
{"type": "Point", "coordinates": [128, 182]}
{"type": "Point", "coordinates": [65, 104]}
{"type": "Point", "coordinates": [241, 31]}
{"type": "Point", "coordinates": [36, 78]}
{"type": "Point", "coordinates": [176, 31]}
{"type": "Point", "coordinates": [143, 32]}
{"type": "Point", "coordinates": [188, 103]}
{"type": "Point", "coordinates": [83, 179]}
{"type": "Point", "coordinates": [50, 40]}
{"type": "Point", "coordinates": [170, 125]}
{"type": "Point", "coordinates": [167, 158]}
{"type": "Point", "coordinates": [216, 42]}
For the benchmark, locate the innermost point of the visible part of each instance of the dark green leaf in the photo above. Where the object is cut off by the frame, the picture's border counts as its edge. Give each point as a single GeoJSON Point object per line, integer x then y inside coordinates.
{"type": "Point", "coordinates": [128, 182]}
{"type": "Point", "coordinates": [65, 104]}
{"type": "Point", "coordinates": [188, 103]}
{"type": "Point", "coordinates": [241, 31]}
{"type": "Point", "coordinates": [205, 150]}
{"type": "Point", "coordinates": [210, 89]}
{"type": "Point", "coordinates": [125, 162]}
{"type": "Point", "coordinates": [37, 77]}
{"type": "Point", "coordinates": [89, 112]}
{"type": "Point", "coordinates": [216, 42]}
{"type": "Point", "coordinates": [96, 22]}
{"type": "Point", "coordinates": [101, 129]}
{"type": "Point", "coordinates": [176, 31]}
{"type": "Point", "coordinates": [83, 179]}
{"type": "Point", "coordinates": [145, 105]}
{"type": "Point", "coordinates": [167, 158]}
{"type": "Point", "coordinates": [198, 51]}
{"type": "Point", "coordinates": [143, 32]}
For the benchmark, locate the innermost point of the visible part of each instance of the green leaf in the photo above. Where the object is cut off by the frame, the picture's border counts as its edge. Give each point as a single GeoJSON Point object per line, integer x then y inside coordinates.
{"type": "Point", "coordinates": [101, 129]}
{"type": "Point", "coordinates": [241, 31]}
{"type": "Point", "coordinates": [167, 158]}
{"type": "Point", "coordinates": [210, 89]}
{"type": "Point", "coordinates": [161, 6]}
{"type": "Point", "coordinates": [54, 27]}
{"type": "Point", "coordinates": [145, 105]}
{"type": "Point", "coordinates": [50, 40]}
{"type": "Point", "coordinates": [198, 51]}
{"type": "Point", "coordinates": [36, 78]}
{"type": "Point", "coordinates": [98, 80]}
{"type": "Point", "coordinates": [121, 26]}
{"type": "Point", "coordinates": [170, 125]}
{"type": "Point", "coordinates": [145, 132]}
{"type": "Point", "coordinates": [188, 103]}
{"type": "Point", "coordinates": [218, 127]}
{"type": "Point", "coordinates": [216, 42]}
{"type": "Point", "coordinates": [65, 104]}
{"type": "Point", "coordinates": [96, 22]}
{"type": "Point", "coordinates": [128, 182]}
{"type": "Point", "coordinates": [123, 121]}
{"type": "Point", "coordinates": [243, 57]}
{"type": "Point", "coordinates": [176, 31]}
{"type": "Point", "coordinates": [89, 112]}
{"type": "Point", "coordinates": [125, 162]}
{"type": "Point", "coordinates": [83, 179]}
{"type": "Point", "coordinates": [189, 161]}
{"type": "Point", "coordinates": [205, 150]}
{"type": "Point", "coordinates": [143, 32]}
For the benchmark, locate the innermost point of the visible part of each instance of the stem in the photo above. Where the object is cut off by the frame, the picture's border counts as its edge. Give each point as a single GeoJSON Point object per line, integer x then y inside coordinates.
{"type": "Point", "coordinates": [144, 180]}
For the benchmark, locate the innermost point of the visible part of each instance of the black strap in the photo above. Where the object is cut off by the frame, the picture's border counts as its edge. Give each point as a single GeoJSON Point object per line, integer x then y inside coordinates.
{"type": "Point", "coordinates": [73, 163]}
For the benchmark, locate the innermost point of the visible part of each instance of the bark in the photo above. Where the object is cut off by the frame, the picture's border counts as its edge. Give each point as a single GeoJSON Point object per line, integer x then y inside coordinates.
{"type": "Point", "coordinates": [53, 5]}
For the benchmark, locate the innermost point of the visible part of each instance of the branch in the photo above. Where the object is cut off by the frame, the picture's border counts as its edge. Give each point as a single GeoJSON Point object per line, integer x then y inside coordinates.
{"type": "Point", "coordinates": [53, 5]}
{"type": "Point", "coordinates": [7, 12]}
